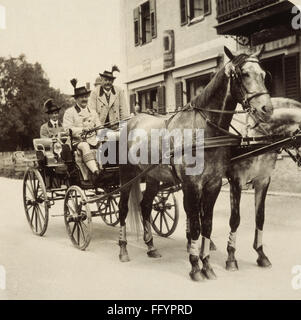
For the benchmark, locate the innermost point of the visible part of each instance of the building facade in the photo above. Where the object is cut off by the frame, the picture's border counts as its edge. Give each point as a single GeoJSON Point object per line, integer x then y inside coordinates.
{"type": "Point", "coordinates": [172, 50]}
{"type": "Point", "coordinates": [275, 24]}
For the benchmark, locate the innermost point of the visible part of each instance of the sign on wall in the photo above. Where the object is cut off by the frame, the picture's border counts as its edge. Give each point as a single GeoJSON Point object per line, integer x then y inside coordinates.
{"type": "Point", "coordinates": [168, 49]}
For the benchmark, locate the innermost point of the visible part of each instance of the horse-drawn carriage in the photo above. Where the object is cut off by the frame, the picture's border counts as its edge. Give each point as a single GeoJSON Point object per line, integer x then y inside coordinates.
{"type": "Point", "coordinates": [241, 81]}
{"type": "Point", "coordinates": [58, 172]}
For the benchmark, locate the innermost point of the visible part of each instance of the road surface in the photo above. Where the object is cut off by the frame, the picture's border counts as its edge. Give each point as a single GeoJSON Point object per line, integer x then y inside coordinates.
{"type": "Point", "coordinates": [50, 267]}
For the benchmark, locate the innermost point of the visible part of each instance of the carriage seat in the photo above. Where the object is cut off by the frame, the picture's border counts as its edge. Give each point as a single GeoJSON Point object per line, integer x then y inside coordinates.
{"type": "Point", "coordinates": [44, 150]}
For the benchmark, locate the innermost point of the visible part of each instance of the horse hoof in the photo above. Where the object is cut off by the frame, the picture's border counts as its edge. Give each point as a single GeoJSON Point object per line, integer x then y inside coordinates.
{"type": "Point", "coordinates": [209, 274]}
{"type": "Point", "coordinates": [197, 276]}
{"type": "Point", "coordinates": [154, 254]}
{"type": "Point", "coordinates": [212, 246]}
{"type": "Point", "coordinates": [124, 258]}
{"type": "Point", "coordinates": [264, 262]}
{"type": "Point", "coordinates": [232, 265]}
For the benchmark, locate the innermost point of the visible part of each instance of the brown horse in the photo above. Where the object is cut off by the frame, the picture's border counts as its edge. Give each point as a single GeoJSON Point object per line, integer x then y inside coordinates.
{"type": "Point", "coordinates": [257, 170]}
{"type": "Point", "coordinates": [240, 81]}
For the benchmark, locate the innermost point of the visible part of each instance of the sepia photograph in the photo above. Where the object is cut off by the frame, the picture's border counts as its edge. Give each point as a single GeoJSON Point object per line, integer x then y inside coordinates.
{"type": "Point", "coordinates": [150, 150]}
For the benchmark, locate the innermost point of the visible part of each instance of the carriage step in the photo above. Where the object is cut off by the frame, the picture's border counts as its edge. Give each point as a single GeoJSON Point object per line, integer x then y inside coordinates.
{"type": "Point", "coordinates": [63, 188]}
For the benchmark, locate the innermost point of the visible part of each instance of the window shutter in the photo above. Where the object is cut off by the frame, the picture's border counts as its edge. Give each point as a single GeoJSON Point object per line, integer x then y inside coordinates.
{"type": "Point", "coordinates": [136, 26]}
{"type": "Point", "coordinates": [207, 7]}
{"type": "Point", "coordinates": [161, 100]}
{"type": "Point", "coordinates": [292, 77]}
{"type": "Point", "coordinates": [183, 10]}
{"type": "Point", "coordinates": [132, 102]}
{"type": "Point", "coordinates": [153, 17]}
{"type": "Point", "coordinates": [179, 95]}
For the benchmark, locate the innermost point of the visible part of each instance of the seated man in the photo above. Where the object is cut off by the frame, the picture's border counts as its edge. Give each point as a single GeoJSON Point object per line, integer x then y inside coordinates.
{"type": "Point", "coordinates": [79, 118]}
{"type": "Point", "coordinates": [51, 128]}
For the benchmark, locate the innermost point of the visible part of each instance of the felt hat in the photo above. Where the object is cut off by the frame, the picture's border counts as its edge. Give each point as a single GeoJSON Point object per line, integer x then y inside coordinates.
{"type": "Point", "coordinates": [50, 106]}
{"type": "Point", "coordinates": [80, 91]}
{"type": "Point", "coordinates": [109, 74]}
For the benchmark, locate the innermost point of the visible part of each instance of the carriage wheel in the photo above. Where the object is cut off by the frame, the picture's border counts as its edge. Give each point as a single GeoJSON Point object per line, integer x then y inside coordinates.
{"type": "Point", "coordinates": [165, 213]}
{"type": "Point", "coordinates": [77, 216]}
{"type": "Point", "coordinates": [109, 209]}
{"type": "Point", "coordinates": [35, 201]}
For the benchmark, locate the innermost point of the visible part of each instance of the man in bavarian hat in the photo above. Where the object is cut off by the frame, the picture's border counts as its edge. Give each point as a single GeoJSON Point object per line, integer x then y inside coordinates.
{"type": "Point", "coordinates": [51, 128]}
{"type": "Point", "coordinates": [109, 100]}
{"type": "Point", "coordinates": [78, 118]}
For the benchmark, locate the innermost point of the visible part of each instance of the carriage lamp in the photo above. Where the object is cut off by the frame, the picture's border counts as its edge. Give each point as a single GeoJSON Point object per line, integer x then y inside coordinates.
{"type": "Point", "coordinates": [57, 148]}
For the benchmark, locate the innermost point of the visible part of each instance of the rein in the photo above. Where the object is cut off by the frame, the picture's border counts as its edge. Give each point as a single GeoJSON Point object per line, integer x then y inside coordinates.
{"type": "Point", "coordinates": [246, 98]}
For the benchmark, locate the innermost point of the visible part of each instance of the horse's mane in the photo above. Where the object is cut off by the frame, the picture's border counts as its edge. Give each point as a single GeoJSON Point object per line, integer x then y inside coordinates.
{"type": "Point", "coordinates": [203, 99]}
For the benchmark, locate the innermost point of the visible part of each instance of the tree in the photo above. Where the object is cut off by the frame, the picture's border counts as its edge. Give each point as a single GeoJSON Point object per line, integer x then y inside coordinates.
{"type": "Point", "coordinates": [23, 89]}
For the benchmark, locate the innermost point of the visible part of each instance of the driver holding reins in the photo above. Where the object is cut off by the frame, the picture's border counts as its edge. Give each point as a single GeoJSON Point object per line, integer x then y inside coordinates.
{"type": "Point", "coordinates": [81, 118]}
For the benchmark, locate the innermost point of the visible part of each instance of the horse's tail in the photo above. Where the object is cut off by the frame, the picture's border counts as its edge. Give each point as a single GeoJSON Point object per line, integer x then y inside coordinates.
{"type": "Point", "coordinates": [134, 212]}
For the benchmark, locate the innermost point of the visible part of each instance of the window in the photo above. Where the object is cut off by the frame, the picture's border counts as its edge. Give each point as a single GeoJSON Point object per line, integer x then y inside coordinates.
{"type": "Point", "coordinates": [148, 99]}
{"type": "Point", "coordinates": [194, 10]}
{"type": "Point", "coordinates": [152, 100]}
{"type": "Point", "coordinates": [145, 23]}
{"type": "Point", "coordinates": [285, 76]}
{"type": "Point", "coordinates": [196, 85]}
{"type": "Point", "coordinates": [183, 8]}
{"type": "Point", "coordinates": [166, 42]}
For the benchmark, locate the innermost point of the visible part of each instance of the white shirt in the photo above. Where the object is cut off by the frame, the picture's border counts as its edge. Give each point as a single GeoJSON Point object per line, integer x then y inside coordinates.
{"type": "Point", "coordinates": [55, 123]}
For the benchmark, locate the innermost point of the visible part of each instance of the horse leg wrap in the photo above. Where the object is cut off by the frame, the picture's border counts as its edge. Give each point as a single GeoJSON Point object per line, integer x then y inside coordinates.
{"type": "Point", "coordinates": [205, 248]}
{"type": "Point", "coordinates": [88, 157]}
{"type": "Point", "coordinates": [122, 234]}
{"type": "Point", "coordinates": [194, 249]}
{"type": "Point", "coordinates": [232, 240]}
{"type": "Point", "coordinates": [258, 239]}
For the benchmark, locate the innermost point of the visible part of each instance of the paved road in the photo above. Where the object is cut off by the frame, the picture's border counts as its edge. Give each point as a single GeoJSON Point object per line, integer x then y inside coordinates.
{"type": "Point", "coordinates": [51, 268]}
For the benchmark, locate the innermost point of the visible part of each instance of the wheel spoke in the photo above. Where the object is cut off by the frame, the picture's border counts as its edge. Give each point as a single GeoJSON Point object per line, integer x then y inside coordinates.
{"type": "Point", "coordinates": [73, 201]}
{"type": "Point", "coordinates": [30, 181]}
{"type": "Point", "coordinates": [86, 227]}
{"type": "Point", "coordinates": [72, 232]}
{"type": "Point", "coordinates": [37, 188]}
{"type": "Point", "coordinates": [106, 209]}
{"type": "Point", "coordinates": [116, 209]}
{"type": "Point", "coordinates": [160, 221]}
{"type": "Point", "coordinates": [82, 232]}
{"type": "Point", "coordinates": [78, 234]}
{"type": "Point", "coordinates": [154, 220]}
{"type": "Point", "coordinates": [110, 211]}
{"type": "Point", "coordinates": [71, 209]}
{"type": "Point", "coordinates": [167, 213]}
{"type": "Point", "coordinates": [30, 190]}
{"type": "Point", "coordinates": [39, 220]}
{"type": "Point", "coordinates": [166, 223]}
{"type": "Point", "coordinates": [32, 216]}
{"type": "Point", "coordinates": [76, 201]}
{"type": "Point", "coordinates": [36, 220]}
{"type": "Point", "coordinates": [41, 213]}
{"type": "Point", "coordinates": [34, 183]}
{"type": "Point", "coordinates": [29, 206]}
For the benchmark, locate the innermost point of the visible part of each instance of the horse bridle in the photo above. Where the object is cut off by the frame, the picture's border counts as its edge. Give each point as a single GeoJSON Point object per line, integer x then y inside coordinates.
{"type": "Point", "coordinates": [246, 96]}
